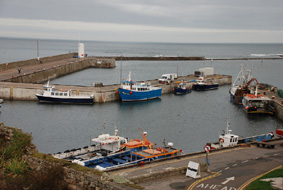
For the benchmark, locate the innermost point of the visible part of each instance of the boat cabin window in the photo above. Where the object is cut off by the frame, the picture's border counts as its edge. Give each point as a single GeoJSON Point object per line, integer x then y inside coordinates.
{"type": "Point", "coordinates": [56, 94]}
{"type": "Point", "coordinates": [65, 94]}
{"type": "Point", "coordinates": [52, 93]}
{"type": "Point", "coordinates": [61, 94]}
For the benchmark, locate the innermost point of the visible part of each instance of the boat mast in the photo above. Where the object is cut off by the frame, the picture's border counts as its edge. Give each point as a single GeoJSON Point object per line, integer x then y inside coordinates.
{"type": "Point", "coordinates": [240, 78]}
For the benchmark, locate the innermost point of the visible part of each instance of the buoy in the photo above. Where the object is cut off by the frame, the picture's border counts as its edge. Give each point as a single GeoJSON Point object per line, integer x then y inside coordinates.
{"type": "Point", "coordinates": [131, 92]}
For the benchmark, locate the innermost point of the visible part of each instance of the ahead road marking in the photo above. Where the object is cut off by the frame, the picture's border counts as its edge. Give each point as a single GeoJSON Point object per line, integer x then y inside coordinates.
{"type": "Point", "coordinates": [198, 181]}
{"type": "Point", "coordinates": [227, 180]}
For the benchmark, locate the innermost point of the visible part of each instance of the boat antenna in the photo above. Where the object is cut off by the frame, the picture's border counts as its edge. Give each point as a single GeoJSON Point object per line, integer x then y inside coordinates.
{"type": "Point", "coordinates": [228, 125]}
{"type": "Point", "coordinates": [121, 68]}
{"type": "Point", "coordinates": [103, 126]}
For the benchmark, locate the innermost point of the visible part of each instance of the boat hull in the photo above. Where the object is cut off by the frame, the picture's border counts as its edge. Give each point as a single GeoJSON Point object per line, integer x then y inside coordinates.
{"type": "Point", "coordinates": [69, 100]}
{"type": "Point", "coordinates": [129, 95]}
{"type": "Point", "coordinates": [200, 87]}
{"type": "Point", "coordinates": [279, 132]}
{"type": "Point", "coordinates": [236, 99]}
{"type": "Point", "coordinates": [181, 91]}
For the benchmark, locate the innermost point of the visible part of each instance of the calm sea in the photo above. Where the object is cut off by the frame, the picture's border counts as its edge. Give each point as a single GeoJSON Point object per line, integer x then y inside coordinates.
{"type": "Point", "coordinates": [188, 121]}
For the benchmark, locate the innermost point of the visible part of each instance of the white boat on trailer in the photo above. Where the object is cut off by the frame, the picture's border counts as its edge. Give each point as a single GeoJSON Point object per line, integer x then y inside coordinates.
{"type": "Point", "coordinates": [227, 139]}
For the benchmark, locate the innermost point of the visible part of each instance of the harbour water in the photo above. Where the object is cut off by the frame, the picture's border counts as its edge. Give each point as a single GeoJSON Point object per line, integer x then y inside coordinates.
{"type": "Point", "coordinates": [188, 121]}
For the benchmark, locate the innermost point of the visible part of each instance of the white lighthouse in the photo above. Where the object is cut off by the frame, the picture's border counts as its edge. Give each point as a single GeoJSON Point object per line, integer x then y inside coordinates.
{"type": "Point", "coordinates": [81, 50]}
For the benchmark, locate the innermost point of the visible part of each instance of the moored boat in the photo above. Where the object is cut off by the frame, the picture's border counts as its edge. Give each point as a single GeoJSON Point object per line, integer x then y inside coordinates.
{"type": "Point", "coordinates": [181, 88]}
{"type": "Point", "coordinates": [50, 94]}
{"type": "Point", "coordinates": [257, 103]}
{"type": "Point", "coordinates": [113, 151]}
{"type": "Point", "coordinates": [241, 86]}
{"type": "Point", "coordinates": [204, 84]}
{"type": "Point", "coordinates": [227, 139]}
{"type": "Point", "coordinates": [137, 91]}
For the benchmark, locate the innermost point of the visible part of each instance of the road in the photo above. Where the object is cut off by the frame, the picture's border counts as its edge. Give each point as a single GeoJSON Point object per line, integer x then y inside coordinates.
{"type": "Point", "coordinates": [230, 169]}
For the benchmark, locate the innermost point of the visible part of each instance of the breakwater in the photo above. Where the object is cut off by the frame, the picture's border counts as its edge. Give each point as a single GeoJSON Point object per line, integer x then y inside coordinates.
{"type": "Point", "coordinates": [32, 62]}
{"type": "Point", "coordinates": [27, 91]}
{"type": "Point", "coordinates": [43, 72]}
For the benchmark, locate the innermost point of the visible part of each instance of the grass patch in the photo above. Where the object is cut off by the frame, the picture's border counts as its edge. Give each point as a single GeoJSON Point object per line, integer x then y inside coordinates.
{"type": "Point", "coordinates": [66, 163]}
{"type": "Point", "coordinates": [17, 173]}
{"type": "Point", "coordinates": [257, 184]}
{"type": "Point", "coordinates": [11, 153]}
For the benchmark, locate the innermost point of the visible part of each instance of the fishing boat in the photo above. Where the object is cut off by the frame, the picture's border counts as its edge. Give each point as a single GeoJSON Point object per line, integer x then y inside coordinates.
{"type": "Point", "coordinates": [227, 139]}
{"type": "Point", "coordinates": [204, 84]}
{"type": "Point", "coordinates": [113, 151]}
{"type": "Point", "coordinates": [257, 103]}
{"type": "Point", "coordinates": [137, 91]}
{"type": "Point", "coordinates": [241, 86]}
{"type": "Point", "coordinates": [50, 94]}
{"type": "Point", "coordinates": [181, 88]}
{"type": "Point", "coordinates": [102, 145]}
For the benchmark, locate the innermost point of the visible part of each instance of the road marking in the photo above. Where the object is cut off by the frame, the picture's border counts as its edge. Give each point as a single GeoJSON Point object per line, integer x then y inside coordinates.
{"type": "Point", "coordinates": [235, 165]}
{"type": "Point", "coordinates": [245, 161]}
{"type": "Point", "coordinates": [228, 179]}
{"type": "Point", "coordinates": [203, 179]}
{"type": "Point", "coordinates": [255, 178]}
{"type": "Point", "coordinates": [227, 168]}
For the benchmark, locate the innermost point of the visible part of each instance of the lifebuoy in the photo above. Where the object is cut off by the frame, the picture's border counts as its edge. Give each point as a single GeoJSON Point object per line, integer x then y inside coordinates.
{"type": "Point", "coordinates": [221, 140]}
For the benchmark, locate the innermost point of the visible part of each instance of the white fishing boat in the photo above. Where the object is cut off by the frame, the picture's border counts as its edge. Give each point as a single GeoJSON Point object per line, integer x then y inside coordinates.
{"type": "Point", "coordinates": [100, 146]}
{"type": "Point", "coordinates": [50, 94]}
{"type": "Point", "coordinates": [227, 139]}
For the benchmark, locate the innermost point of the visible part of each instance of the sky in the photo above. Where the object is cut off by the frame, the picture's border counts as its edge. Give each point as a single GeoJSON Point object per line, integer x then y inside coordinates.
{"type": "Point", "coordinates": [175, 21]}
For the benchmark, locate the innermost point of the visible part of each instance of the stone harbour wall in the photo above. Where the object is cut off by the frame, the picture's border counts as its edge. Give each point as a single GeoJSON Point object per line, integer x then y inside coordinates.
{"type": "Point", "coordinates": [45, 74]}
{"type": "Point", "coordinates": [16, 64]}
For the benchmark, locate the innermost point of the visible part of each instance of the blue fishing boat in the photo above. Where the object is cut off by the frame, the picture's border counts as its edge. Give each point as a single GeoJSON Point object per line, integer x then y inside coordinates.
{"type": "Point", "coordinates": [138, 91]}
{"type": "Point", "coordinates": [52, 95]}
{"type": "Point", "coordinates": [202, 84]}
{"type": "Point", "coordinates": [181, 88]}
